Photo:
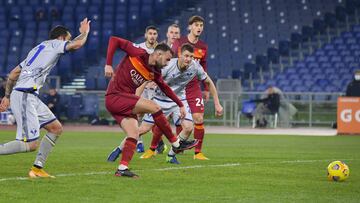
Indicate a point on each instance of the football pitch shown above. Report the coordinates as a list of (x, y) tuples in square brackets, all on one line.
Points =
[(243, 168)]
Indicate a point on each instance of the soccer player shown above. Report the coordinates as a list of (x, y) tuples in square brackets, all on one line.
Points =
[(193, 89), (177, 74), (134, 69), (173, 33), (22, 89), (151, 36)]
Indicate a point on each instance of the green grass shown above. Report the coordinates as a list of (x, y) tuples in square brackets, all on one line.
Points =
[(266, 169)]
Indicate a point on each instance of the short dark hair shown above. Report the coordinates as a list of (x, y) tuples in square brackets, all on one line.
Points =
[(151, 27), (174, 25), (194, 19), (163, 47), (58, 31), (187, 47)]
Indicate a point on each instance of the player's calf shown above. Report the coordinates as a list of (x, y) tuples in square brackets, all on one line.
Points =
[(17, 146)]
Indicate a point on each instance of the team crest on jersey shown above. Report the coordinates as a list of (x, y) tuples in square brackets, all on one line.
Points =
[(33, 131)]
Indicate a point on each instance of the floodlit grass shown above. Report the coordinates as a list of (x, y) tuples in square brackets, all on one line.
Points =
[(243, 168)]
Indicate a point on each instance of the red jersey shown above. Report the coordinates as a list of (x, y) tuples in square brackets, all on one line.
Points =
[(200, 54), (134, 70)]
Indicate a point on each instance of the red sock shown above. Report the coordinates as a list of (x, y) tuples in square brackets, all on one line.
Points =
[(178, 129), (157, 133), (128, 151), (163, 124), (199, 132)]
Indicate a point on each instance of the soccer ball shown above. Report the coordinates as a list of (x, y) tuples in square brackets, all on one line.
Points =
[(338, 171)]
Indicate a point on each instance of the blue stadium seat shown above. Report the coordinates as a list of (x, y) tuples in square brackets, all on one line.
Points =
[(90, 105)]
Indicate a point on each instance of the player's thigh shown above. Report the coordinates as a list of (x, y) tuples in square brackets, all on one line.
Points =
[(130, 127), (168, 107), (47, 119), (23, 106), (121, 103), (175, 112), (187, 126), (145, 106), (145, 127), (196, 104)]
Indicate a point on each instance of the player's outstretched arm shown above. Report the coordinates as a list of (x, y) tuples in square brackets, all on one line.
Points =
[(213, 92), (80, 40), (13, 77)]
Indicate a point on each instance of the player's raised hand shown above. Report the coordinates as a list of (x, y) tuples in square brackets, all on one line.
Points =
[(109, 71), (84, 26), (218, 110), (182, 112), (4, 105)]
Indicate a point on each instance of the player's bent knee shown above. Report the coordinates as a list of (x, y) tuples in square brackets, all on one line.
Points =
[(155, 108), (33, 145), (198, 119), (56, 129), (133, 135)]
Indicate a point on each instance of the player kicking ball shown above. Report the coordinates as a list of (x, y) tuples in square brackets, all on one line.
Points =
[(134, 69), (22, 89), (177, 74)]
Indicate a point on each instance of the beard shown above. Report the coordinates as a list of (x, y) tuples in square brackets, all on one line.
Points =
[(158, 65)]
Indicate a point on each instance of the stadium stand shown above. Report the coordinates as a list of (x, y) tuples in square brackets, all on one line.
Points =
[(24, 23), (296, 45)]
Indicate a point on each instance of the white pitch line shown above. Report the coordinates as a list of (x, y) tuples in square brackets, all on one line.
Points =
[(182, 167)]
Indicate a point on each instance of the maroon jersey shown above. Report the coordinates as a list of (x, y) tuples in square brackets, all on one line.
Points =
[(134, 70), (200, 54)]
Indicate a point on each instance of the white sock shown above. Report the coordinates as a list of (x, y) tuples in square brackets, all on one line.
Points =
[(171, 152), (139, 140), (176, 143), (122, 167)]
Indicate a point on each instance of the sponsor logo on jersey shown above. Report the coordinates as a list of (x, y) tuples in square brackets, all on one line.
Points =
[(136, 77)]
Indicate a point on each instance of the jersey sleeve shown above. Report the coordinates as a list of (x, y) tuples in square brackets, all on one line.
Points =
[(166, 89), (201, 74), (22, 64), (203, 63), (128, 47), (59, 46)]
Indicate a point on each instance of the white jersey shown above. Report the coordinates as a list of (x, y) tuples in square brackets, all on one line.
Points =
[(38, 64), (177, 80), (147, 49)]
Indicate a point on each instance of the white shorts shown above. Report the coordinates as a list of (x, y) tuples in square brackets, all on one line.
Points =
[(148, 93), (30, 114), (170, 108)]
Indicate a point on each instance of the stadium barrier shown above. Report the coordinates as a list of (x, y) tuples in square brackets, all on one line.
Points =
[(312, 109), (348, 118)]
